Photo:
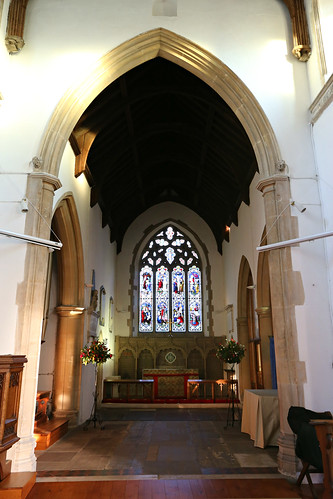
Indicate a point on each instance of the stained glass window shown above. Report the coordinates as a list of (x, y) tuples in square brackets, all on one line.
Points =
[(162, 299), (194, 299), (146, 299), (170, 298), (178, 299)]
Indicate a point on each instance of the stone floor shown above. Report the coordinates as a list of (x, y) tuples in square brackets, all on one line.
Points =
[(159, 442)]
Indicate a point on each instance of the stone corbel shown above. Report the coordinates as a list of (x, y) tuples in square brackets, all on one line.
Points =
[(301, 38), (15, 25)]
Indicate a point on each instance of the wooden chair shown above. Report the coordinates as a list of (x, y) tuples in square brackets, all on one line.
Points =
[(324, 431), (310, 449)]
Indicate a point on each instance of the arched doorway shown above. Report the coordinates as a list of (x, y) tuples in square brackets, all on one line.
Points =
[(274, 184), (250, 370), (255, 327), (69, 310), (265, 325)]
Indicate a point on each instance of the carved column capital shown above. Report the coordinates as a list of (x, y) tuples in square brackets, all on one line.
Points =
[(264, 311), (69, 311), (46, 178), (268, 184)]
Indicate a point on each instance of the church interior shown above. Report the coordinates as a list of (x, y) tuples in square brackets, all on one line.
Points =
[(165, 193)]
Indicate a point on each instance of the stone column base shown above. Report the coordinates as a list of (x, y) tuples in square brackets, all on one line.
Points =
[(23, 455), (287, 459), (71, 415)]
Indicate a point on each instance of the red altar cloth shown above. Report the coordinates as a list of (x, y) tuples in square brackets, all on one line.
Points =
[(170, 383)]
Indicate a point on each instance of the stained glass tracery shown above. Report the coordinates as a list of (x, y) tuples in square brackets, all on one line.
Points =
[(170, 290), (146, 299), (194, 299)]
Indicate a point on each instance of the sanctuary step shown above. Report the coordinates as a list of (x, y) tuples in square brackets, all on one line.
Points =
[(47, 433), (17, 485)]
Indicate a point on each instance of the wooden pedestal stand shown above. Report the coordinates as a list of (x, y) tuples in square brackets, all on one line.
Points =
[(11, 368), (15, 484), (94, 417)]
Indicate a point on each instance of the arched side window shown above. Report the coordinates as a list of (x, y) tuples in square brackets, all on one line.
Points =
[(170, 296)]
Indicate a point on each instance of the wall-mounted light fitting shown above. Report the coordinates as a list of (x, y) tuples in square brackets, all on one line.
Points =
[(32, 239), (298, 206), (24, 205), (292, 242)]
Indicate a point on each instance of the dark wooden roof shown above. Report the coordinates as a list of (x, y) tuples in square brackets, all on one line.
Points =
[(162, 134)]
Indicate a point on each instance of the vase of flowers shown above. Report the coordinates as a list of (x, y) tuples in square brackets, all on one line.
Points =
[(231, 352), (95, 353)]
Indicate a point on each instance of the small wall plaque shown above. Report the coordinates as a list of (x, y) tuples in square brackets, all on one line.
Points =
[(170, 357)]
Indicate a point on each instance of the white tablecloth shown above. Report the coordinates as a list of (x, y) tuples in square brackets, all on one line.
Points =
[(260, 417)]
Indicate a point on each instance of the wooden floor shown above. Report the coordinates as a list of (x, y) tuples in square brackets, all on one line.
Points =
[(171, 489)]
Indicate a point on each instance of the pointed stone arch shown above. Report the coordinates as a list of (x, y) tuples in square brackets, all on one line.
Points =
[(244, 277), (264, 313), (70, 310), (175, 48)]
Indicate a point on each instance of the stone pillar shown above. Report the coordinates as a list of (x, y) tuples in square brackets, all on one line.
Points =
[(67, 376), (30, 302), (285, 288), (11, 367)]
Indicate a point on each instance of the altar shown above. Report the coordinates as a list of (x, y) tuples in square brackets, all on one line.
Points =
[(261, 417), (170, 383)]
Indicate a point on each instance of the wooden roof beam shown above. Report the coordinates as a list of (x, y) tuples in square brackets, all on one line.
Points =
[(15, 26), (301, 38)]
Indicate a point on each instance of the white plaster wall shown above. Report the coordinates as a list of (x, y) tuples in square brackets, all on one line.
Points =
[(12, 190), (326, 21), (314, 259), (133, 236), (320, 67), (12, 256), (315, 318)]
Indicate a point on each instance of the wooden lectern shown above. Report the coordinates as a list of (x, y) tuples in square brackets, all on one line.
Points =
[(11, 368)]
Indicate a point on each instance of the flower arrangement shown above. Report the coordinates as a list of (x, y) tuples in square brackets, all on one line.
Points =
[(97, 352), (232, 352)]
